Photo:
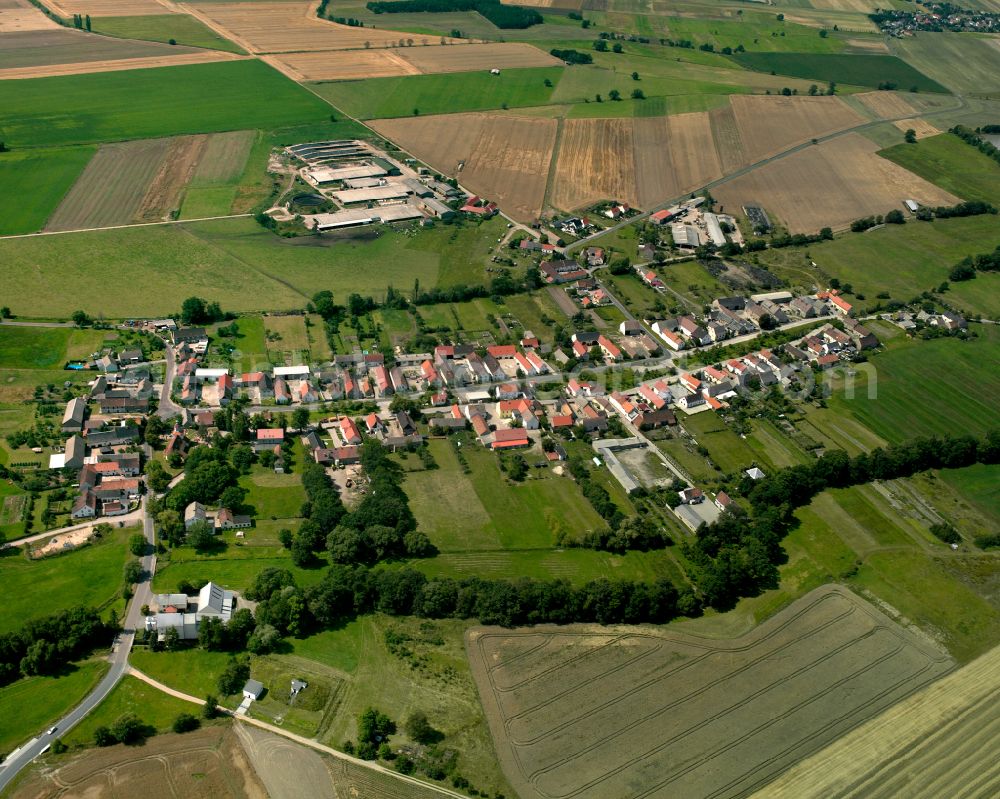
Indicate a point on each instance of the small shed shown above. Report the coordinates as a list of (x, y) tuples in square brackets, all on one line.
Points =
[(254, 689), (298, 685), (754, 473)]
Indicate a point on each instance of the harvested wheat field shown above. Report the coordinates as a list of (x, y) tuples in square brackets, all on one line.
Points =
[(471, 57), (629, 712), (830, 185), (206, 763), (109, 8), (117, 65), (595, 162), (644, 161), (22, 16), (293, 27), (568, 5), (769, 125), (921, 127), (506, 157), (728, 143), (886, 105), (343, 65), (938, 742)]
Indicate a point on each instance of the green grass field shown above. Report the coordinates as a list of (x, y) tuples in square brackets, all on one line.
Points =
[(44, 176), (30, 705), (182, 28), (918, 255), (980, 486), (233, 261), (153, 707), (481, 511), (273, 495), (88, 577), (378, 98), (950, 163), (964, 62), (928, 387), (45, 348), (756, 32), (857, 69), (167, 101), (192, 671)]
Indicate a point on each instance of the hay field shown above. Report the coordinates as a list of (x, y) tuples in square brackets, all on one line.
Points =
[(20, 15), (921, 127), (207, 762), (593, 712), (938, 742), (830, 185), (769, 125), (109, 8), (886, 105), (343, 65), (112, 186), (285, 27), (644, 161), (224, 159), (471, 57), (506, 157), (117, 65)]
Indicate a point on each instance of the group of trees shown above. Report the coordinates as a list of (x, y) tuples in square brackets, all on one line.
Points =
[(127, 729), (572, 56), (507, 17), (738, 555), (972, 137), (45, 646), (347, 591), (322, 510), (966, 268), (382, 526), (195, 311)]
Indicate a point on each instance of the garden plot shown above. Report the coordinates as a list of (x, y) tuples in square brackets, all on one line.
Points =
[(593, 712)]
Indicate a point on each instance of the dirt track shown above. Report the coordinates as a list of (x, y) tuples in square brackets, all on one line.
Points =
[(164, 192), (596, 712)]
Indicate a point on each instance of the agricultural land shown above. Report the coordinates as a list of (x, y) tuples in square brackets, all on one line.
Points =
[(430, 399)]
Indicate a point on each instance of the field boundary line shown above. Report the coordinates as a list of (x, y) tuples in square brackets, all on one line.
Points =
[(121, 227)]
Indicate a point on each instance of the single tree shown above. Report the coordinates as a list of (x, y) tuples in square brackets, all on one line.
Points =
[(910, 136), (185, 722), (211, 707)]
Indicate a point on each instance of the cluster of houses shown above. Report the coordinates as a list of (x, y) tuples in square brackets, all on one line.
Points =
[(631, 342), (908, 321), (108, 483), (222, 519), (185, 613), (827, 346)]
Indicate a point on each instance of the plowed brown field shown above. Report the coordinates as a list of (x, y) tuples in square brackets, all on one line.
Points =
[(206, 763), (506, 157), (66, 46), (728, 143), (591, 713), (830, 185), (886, 105), (939, 742), (768, 124), (164, 193)]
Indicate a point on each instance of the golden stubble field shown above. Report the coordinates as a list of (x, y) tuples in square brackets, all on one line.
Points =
[(941, 741), (503, 157), (830, 185), (656, 712)]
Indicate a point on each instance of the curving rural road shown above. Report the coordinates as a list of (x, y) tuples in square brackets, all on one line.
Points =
[(119, 667)]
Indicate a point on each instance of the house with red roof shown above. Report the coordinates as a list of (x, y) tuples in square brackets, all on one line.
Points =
[(349, 430), (511, 439), (609, 348)]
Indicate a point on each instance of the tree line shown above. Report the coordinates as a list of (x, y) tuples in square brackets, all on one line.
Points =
[(47, 645), (966, 268), (507, 17), (738, 555), (972, 137)]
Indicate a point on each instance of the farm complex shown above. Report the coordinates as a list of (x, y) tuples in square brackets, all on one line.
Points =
[(431, 399)]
